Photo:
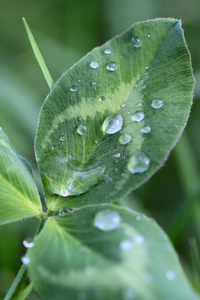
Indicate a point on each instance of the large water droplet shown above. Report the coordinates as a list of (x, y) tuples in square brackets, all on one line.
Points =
[(136, 42), (170, 275), (81, 129), (126, 245), (62, 138), (86, 177), (125, 138), (139, 239), (74, 88), (146, 129), (102, 98), (25, 259), (28, 243), (107, 220), (112, 66), (113, 124), (129, 293), (107, 51), (138, 116), (94, 64), (138, 163), (157, 103)]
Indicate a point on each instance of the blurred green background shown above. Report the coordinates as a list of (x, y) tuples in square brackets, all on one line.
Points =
[(65, 31)]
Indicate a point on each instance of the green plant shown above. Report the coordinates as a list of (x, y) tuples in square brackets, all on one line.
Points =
[(105, 128)]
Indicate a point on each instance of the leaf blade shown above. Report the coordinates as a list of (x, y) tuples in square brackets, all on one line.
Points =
[(161, 69), (88, 262), (18, 192)]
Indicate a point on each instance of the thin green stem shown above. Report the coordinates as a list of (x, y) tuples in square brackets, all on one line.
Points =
[(38, 56), (21, 277), (195, 259), (24, 294)]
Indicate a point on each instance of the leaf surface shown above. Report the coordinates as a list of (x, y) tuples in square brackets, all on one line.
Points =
[(19, 196), (124, 256), (112, 119)]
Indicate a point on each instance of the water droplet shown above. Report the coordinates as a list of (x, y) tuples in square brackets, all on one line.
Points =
[(28, 243), (74, 88), (102, 98), (147, 278), (82, 296), (157, 103), (94, 83), (146, 68), (146, 129), (140, 104), (79, 80), (62, 138), (25, 259), (129, 112), (129, 293), (122, 174), (125, 138), (94, 64), (113, 124), (82, 129), (170, 275), (138, 218), (124, 105), (107, 51), (107, 220), (80, 119), (139, 239), (148, 35), (136, 85), (117, 154), (136, 42), (116, 171), (138, 163), (112, 66), (96, 141), (126, 245), (138, 116)]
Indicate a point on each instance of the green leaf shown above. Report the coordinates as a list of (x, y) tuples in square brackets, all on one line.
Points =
[(79, 147), (19, 196), (130, 257)]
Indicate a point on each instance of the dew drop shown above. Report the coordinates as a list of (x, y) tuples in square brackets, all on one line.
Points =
[(117, 154), (113, 124), (79, 80), (136, 42), (135, 85), (148, 35), (112, 66), (102, 98), (140, 104), (138, 116), (139, 239), (94, 83), (170, 275), (80, 119), (25, 259), (126, 245), (138, 218), (125, 138), (107, 51), (129, 293), (107, 220), (147, 278), (124, 105), (157, 103), (122, 174), (96, 141), (81, 129), (74, 88), (146, 129), (62, 138), (94, 64), (28, 243), (138, 163), (146, 68)]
